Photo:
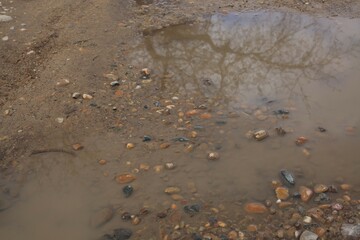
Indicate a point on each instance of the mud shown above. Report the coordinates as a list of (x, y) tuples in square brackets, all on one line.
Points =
[(218, 72)]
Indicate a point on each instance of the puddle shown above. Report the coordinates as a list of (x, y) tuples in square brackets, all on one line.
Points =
[(243, 67)]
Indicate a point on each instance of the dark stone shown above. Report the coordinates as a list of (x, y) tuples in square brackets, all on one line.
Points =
[(122, 234), (195, 208), (181, 139), (281, 112), (128, 190), (287, 177), (161, 215), (126, 216), (322, 198), (147, 138), (196, 236), (321, 129)]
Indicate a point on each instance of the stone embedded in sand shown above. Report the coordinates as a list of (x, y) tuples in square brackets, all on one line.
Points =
[(255, 208), (125, 178), (306, 193), (345, 187), (191, 113), (130, 145), (320, 188), (284, 204), (172, 190), (260, 135), (282, 193), (102, 161), (164, 145), (205, 116), (77, 146), (213, 156), (177, 197)]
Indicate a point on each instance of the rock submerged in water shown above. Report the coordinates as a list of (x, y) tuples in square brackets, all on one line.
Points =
[(306, 193), (255, 208), (287, 177), (119, 234)]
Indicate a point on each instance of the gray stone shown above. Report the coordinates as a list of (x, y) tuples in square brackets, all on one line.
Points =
[(350, 231), (307, 235), (5, 18)]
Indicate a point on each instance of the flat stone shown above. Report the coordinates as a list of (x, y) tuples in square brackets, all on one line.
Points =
[(5, 18), (172, 190), (125, 178), (282, 193), (122, 234), (307, 235), (351, 231), (255, 208), (320, 188)]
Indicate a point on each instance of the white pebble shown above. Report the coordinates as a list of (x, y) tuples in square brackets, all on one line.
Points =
[(5, 38)]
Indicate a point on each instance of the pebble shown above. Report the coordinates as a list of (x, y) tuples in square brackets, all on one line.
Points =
[(147, 138), (87, 96), (115, 83), (260, 135), (191, 113), (172, 190), (102, 162), (125, 178), (320, 188), (6, 38), (170, 166), (322, 198), (193, 134), (205, 116), (307, 219), (144, 166), (59, 120), (301, 140), (213, 156), (63, 83), (306, 193), (76, 95), (255, 208), (130, 145), (101, 217), (307, 235), (164, 145), (345, 187), (128, 190), (77, 146), (282, 193), (232, 235), (280, 131), (320, 231), (287, 177), (136, 220), (5, 18), (177, 197), (122, 234)]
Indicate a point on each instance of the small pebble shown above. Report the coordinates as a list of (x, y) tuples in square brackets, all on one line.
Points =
[(213, 156)]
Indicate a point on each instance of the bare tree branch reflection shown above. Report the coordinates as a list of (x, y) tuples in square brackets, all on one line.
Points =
[(248, 55)]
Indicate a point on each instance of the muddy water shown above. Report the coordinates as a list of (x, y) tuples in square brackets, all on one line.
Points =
[(242, 67)]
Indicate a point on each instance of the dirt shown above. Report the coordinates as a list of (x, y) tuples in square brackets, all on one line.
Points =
[(92, 43)]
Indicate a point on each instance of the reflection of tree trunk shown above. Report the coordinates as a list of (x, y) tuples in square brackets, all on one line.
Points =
[(283, 54)]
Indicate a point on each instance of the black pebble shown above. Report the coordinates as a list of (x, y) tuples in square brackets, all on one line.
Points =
[(128, 190), (321, 129), (122, 234)]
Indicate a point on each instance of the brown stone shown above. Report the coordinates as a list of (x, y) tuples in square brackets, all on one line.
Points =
[(193, 134), (205, 116), (172, 190), (320, 231), (282, 193), (164, 145), (191, 113), (77, 146), (125, 178), (255, 208), (345, 187), (252, 228), (136, 220), (320, 188), (177, 197), (301, 140), (130, 145), (144, 166), (285, 204), (232, 235), (102, 162), (306, 193)]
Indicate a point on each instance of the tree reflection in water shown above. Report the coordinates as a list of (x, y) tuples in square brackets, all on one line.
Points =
[(250, 55)]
